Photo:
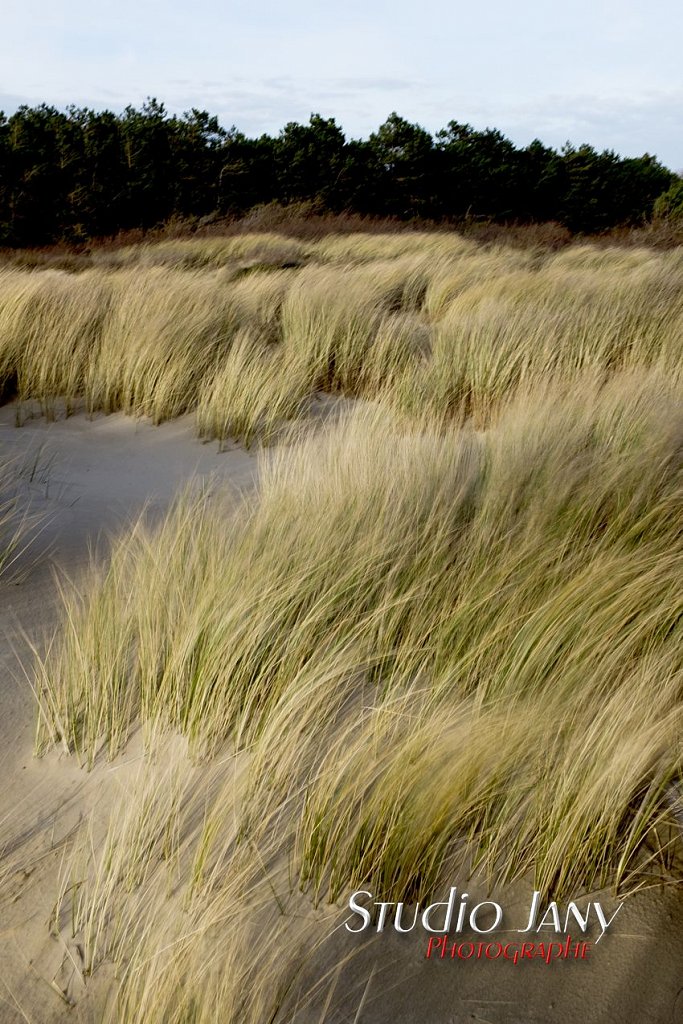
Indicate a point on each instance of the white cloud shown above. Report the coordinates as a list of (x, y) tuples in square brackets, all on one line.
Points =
[(608, 73)]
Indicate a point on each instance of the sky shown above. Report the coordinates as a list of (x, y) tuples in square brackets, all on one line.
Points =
[(606, 72)]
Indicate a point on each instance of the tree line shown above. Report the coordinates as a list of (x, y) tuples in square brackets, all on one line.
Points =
[(78, 174)]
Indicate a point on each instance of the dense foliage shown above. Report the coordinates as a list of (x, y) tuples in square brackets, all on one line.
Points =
[(669, 206), (76, 174)]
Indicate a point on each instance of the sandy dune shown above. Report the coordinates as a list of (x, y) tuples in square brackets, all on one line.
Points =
[(87, 478), (83, 480)]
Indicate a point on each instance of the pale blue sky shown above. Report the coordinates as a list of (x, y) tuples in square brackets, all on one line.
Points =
[(609, 72)]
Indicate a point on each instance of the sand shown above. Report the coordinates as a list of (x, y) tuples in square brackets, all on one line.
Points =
[(87, 479), (84, 479)]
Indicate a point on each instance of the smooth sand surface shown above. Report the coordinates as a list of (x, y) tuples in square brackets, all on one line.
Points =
[(87, 479)]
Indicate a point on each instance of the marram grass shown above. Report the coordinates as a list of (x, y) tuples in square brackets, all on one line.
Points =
[(422, 650), (16, 526), (497, 616), (445, 635), (438, 324)]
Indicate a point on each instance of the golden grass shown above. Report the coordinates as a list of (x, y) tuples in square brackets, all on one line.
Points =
[(445, 635), (421, 650), (245, 330), (469, 577), (202, 925)]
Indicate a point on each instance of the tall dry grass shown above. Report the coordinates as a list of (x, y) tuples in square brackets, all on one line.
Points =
[(421, 649), (201, 925), (445, 636), (473, 577), (246, 330)]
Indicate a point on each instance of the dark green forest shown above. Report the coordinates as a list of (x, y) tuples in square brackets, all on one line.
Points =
[(79, 174)]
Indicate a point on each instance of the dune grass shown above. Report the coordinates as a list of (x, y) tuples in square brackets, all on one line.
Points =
[(17, 524), (473, 577), (244, 331), (445, 636), (423, 650), (202, 926)]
